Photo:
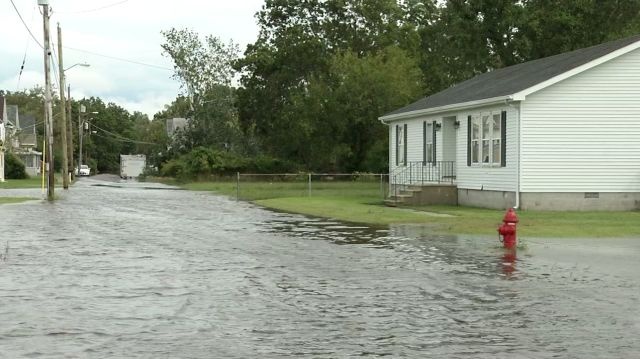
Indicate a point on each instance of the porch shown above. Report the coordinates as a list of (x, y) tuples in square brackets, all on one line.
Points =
[(423, 183)]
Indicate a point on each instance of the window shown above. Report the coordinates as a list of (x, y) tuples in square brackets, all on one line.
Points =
[(401, 145), (428, 142), (486, 139), (475, 139)]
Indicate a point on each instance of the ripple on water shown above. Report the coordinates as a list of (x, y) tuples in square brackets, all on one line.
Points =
[(152, 273)]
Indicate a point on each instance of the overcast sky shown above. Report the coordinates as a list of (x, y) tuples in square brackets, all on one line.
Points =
[(128, 29)]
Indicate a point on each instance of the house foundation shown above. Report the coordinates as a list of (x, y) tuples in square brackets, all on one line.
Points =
[(578, 201), (486, 199)]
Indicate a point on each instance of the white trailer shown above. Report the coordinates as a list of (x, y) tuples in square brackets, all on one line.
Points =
[(132, 166)]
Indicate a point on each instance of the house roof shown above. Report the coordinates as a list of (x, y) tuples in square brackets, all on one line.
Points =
[(513, 79), (12, 115)]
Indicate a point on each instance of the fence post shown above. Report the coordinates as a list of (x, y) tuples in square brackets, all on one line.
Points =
[(237, 186), (309, 194)]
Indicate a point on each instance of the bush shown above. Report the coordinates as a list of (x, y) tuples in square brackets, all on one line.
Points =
[(266, 164), (13, 167), (173, 168), (203, 162)]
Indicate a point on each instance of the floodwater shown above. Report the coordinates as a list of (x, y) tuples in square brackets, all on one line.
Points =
[(123, 271)]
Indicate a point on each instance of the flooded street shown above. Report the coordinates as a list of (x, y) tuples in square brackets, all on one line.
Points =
[(122, 271)]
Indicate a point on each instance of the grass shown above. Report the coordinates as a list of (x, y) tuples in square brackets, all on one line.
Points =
[(34, 182), (361, 202), (252, 191), (11, 200)]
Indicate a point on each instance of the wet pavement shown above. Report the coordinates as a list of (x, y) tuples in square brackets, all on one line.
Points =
[(134, 270)]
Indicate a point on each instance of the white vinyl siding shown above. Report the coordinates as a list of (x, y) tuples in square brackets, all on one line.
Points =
[(449, 139), (583, 134), (415, 140), (490, 177)]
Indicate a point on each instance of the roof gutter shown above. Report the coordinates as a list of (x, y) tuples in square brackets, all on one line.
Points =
[(434, 110)]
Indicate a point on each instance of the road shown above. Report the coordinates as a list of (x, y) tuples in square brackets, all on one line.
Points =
[(137, 270)]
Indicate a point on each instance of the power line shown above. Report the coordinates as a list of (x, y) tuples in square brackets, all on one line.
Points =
[(92, 10), (25, 25), (122, 138), (26, 48), (119, 58)]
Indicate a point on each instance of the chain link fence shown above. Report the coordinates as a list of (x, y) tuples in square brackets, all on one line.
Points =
[(252, 186)]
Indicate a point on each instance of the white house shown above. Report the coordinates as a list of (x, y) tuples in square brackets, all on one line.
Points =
[(558, 133)]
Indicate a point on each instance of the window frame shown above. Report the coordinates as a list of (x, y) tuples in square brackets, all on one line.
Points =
[(489, 125)]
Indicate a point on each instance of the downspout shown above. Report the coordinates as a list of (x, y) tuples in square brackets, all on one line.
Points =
[(509, 102)]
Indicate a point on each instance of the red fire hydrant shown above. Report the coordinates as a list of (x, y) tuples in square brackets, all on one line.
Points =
[(508, 229)]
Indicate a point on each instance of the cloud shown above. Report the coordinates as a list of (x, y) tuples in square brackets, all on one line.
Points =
[(130, 30)]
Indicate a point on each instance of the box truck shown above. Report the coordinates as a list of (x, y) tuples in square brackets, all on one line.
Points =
[(132, 166)]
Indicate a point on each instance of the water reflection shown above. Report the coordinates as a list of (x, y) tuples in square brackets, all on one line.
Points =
[(508, 262)]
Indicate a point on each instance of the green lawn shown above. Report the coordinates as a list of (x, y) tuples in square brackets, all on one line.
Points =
[(252, 191), (361, 202), (10, 200), (33, 182)]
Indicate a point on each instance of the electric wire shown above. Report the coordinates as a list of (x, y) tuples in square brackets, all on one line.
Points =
[(55, 65), (122, 138), (25, 25), (26, 49), (125, 141), (118, 58), (93, 10)]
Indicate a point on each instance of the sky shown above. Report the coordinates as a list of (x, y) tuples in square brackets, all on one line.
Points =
[(125, 29)]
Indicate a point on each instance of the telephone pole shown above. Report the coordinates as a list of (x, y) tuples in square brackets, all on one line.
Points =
[(48, 108), (80, 128), (70, 134), (63, 116)]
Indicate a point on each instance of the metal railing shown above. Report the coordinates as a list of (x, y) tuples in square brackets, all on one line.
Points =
[(419, 173)]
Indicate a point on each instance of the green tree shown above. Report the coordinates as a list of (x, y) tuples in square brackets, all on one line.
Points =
[(552, 27), (470, 37), (205, 72), (345, 134), (298, 43)]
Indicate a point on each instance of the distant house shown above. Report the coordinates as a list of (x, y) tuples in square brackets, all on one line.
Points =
[(22, 139), (27, 144), (558, 133), (174, 124), (3, 116)]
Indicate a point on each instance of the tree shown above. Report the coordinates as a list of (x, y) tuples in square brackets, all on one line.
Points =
[(470, 37), (205, 71), (298, 43), (553, 27), (344, 105)]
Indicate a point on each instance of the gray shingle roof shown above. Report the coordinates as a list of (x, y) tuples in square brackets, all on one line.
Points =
[(12, 114), (510, 80)]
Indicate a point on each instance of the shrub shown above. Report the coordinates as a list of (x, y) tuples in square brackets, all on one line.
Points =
[(266, 164), (13, 167), (173, 168)]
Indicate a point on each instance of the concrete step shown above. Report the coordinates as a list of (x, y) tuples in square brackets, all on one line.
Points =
[(391, 203)]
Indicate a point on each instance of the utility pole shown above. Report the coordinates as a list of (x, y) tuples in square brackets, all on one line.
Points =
[(80, 128), (47, 99), (70, 134), (63, 116)]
